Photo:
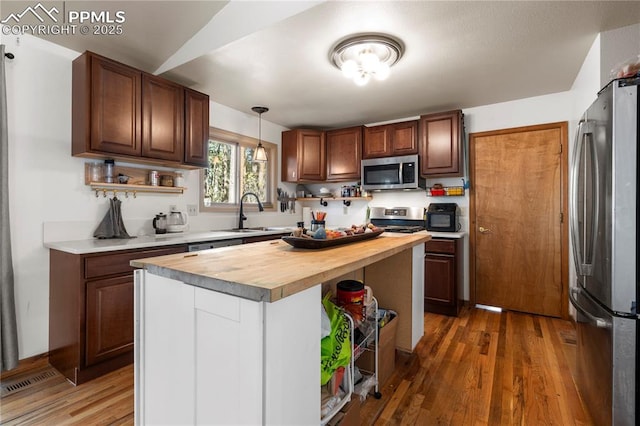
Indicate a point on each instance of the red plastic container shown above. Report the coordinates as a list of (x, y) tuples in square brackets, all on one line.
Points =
[(350, 296)]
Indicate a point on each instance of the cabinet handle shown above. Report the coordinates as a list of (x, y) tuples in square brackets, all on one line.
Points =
[(484, 230)]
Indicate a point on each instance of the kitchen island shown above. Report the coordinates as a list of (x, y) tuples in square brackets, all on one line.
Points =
[(232, 335)]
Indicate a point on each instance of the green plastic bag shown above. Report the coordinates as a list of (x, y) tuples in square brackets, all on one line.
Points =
[(335, 349)]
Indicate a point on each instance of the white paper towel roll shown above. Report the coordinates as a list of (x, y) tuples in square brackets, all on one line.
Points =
[(306, 216)]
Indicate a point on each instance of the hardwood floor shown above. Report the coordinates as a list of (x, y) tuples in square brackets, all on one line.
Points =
[(484, 368), (481, 368), (52, 400)]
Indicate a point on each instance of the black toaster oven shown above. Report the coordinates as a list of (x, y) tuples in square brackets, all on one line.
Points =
[(443, 217)]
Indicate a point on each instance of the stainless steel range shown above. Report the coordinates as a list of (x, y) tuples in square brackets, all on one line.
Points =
[(398, 219)]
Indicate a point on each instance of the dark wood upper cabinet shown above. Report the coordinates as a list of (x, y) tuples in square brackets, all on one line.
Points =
[(105, 107), (124, 113), (162, 119), (404, 138), (304, 156), (377, 142), (441, 144), (344, 152), (196, 138), (390, 140)]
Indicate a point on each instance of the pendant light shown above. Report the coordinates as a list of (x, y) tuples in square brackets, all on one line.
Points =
[(261, 153)]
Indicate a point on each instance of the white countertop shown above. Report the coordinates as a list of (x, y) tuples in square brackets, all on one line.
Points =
[(112, 244), (455, 235)]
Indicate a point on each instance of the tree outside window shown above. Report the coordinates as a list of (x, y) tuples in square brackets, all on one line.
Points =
[(232, 172)]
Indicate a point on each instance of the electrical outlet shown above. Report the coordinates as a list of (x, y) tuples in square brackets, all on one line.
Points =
[(192, 209)]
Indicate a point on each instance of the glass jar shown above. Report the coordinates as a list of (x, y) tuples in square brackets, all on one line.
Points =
[(95, 172), (178, 180), (108, 171)]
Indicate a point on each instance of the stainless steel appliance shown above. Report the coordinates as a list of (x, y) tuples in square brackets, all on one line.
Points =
[(398, 219), (443, 217), (603, 217), (391, 173)]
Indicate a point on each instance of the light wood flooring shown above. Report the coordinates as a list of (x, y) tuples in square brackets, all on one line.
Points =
[(482, 368)]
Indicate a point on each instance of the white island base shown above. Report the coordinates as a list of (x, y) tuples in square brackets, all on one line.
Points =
[(204, 357), (212, 348)]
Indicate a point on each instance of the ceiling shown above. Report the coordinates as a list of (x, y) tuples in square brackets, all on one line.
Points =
[(457, 54)]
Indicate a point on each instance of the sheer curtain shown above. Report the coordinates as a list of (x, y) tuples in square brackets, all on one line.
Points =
[(8, 328)]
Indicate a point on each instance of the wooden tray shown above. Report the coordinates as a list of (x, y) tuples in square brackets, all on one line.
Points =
[(311, 243)]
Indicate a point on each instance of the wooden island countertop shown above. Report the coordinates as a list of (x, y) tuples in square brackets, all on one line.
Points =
[(272, 270)]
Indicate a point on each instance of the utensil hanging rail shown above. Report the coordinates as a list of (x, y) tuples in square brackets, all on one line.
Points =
[(132, 189)]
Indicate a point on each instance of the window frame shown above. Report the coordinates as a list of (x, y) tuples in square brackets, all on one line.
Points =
[(247, 141)]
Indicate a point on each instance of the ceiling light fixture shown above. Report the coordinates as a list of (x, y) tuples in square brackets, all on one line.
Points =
[(364, 56), (261, 153)]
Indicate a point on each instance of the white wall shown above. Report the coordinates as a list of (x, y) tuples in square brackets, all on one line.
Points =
[(616, 47), (47, 192)]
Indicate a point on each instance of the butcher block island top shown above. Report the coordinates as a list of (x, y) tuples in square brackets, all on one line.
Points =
[(272, 270)]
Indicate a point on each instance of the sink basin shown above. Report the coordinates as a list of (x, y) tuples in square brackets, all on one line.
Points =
[(256, 229), (260, 229)]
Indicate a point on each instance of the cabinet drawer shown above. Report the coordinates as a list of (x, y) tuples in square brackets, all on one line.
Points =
[(111, 264), (440, 246)]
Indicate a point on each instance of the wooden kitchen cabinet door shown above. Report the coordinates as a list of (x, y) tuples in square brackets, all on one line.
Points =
[(114, 91), (390, 140), (162, 119), (196, 138), (441, 144), (404, 138), (439, 279), (377, 142), (344, 152), (109, 305), (443, 276), (304, 156)]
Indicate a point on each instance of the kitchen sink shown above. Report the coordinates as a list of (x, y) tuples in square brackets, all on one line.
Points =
[(260, 229)]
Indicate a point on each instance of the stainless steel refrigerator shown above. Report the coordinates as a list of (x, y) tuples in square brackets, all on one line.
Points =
[(603, 222)]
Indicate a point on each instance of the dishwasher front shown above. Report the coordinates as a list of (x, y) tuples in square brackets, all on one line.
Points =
[(214, 244)]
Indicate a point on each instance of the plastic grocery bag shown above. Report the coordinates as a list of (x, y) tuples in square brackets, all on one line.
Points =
[(335, 349)]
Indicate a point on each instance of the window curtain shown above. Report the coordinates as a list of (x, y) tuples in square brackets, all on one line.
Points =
[(8, 327)]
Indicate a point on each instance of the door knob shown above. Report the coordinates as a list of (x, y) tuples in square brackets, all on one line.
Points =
[(484, 230)]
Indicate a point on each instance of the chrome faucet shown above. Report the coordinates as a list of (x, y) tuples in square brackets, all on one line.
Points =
[(242, 217)]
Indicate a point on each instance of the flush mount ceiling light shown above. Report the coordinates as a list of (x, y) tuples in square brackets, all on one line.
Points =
[(365, 56), (261, 153)]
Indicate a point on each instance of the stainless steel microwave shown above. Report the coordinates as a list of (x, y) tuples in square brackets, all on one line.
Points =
[(391, 173)]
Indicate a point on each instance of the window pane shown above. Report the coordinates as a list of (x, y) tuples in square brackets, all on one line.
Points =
[(254, 177), (219, 178)]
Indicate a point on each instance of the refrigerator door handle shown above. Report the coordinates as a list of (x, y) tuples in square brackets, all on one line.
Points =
[(597, 321), (583, 256)]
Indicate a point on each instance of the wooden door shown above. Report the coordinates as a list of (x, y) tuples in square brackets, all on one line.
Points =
[(109, 318), (404, 138), (377, 142), (115, 107), (162, 119), (196, 122), (518, 236), (312, 156), (344, 151), (440, 143)]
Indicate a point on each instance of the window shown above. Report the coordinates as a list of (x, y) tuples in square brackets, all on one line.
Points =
[(232, 172)]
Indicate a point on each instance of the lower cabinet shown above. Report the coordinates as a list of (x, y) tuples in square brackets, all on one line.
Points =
[(109, 318), (443, 275), (91, 310)]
